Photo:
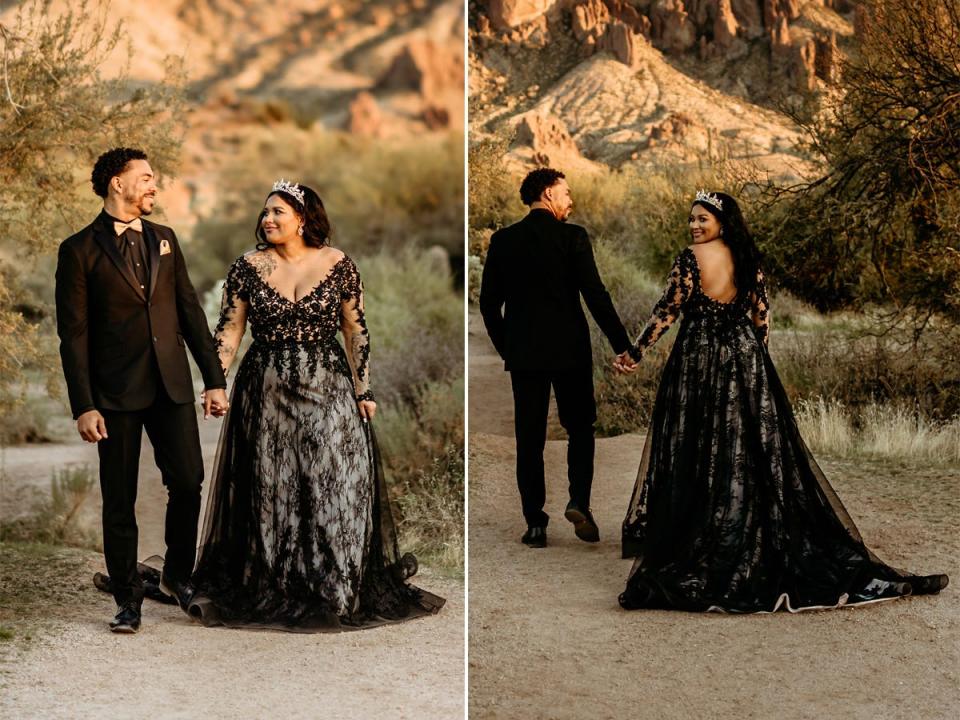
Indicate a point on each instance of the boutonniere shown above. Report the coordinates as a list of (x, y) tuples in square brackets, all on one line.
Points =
[(165, 247)]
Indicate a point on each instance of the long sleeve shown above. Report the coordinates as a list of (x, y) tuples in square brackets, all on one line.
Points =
[(71, 300), (596, 296), (492, 296), (668, 307), (233, 317), (356, 338), (193, 321), (761, 308)]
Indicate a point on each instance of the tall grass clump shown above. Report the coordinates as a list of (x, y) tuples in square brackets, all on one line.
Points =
[(884, 431), (58, 518)]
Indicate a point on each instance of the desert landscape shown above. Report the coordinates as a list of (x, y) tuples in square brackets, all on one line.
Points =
[(349, 97), (640, 103)]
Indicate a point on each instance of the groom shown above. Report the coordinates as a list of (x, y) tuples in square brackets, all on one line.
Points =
[(125, 311), (535, 273)]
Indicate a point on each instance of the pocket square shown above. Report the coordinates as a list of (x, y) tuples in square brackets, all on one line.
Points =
[(165, 247)]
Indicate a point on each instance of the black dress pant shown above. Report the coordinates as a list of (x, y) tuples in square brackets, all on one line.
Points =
[(578, 413), (172, 429)]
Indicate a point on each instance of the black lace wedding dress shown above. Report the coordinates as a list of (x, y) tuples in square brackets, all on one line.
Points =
[(730, 511), (298, 533)]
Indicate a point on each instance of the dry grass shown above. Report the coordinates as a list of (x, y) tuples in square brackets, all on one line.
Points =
[(893, 432)]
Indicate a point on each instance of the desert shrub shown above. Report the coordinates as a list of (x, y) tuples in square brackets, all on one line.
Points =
[(57, 518), (422, 448), (494, 194), (379, 195), (415, 320), (431, 508)]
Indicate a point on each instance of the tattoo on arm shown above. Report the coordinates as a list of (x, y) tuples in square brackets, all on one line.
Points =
[(264, 263)]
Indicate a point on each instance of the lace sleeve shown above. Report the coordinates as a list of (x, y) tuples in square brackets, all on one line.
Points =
[(233, 316), (761, 308), (667, 309), (353, 325)]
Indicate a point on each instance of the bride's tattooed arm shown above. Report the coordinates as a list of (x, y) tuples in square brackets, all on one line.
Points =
[(233, 316), (264, 263)]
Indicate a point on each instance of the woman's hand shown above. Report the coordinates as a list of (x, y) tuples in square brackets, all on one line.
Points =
[(368, 408), (623, 364)]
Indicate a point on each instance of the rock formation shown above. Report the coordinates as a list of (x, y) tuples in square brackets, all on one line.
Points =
[(508, 14), (364, 116), (547, 136)]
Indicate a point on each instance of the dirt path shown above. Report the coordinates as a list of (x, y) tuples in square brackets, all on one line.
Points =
[(548, 640), (176, 669)]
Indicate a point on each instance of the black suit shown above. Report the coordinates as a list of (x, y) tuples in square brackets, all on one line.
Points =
[(535, 274), (122, 346)]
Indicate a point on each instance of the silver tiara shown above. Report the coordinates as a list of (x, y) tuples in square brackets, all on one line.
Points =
[(704, 196), (289, 188)]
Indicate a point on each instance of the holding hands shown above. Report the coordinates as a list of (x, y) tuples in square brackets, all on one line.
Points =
[(215, 403), (368, 408), (623, 364)]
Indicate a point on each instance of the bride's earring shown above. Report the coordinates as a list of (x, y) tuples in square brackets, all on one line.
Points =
[(300, 231)]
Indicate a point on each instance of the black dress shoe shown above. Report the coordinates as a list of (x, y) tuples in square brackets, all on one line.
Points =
[(182, 590), (127, 619), (535, 537), (584, 526)]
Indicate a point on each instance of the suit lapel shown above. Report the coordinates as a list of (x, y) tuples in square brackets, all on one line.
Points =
[(153, 247), (106, 238)]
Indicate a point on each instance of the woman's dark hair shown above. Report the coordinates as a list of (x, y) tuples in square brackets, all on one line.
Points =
[(110, 164), (316, 224), (536, 182), (736, 234)]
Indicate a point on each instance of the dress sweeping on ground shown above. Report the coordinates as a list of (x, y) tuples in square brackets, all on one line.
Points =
[(298, 532), (730, 511)]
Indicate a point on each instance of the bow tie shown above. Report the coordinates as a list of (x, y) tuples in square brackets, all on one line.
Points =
[(135, 224)]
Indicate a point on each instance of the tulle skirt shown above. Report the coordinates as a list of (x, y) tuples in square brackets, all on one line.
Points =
[(298, 532), (730, 510)]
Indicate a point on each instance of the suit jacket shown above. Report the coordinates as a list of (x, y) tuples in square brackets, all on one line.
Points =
[(118, 340), (535, 273)]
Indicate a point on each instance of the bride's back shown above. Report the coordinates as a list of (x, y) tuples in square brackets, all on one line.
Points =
[(716, 267)]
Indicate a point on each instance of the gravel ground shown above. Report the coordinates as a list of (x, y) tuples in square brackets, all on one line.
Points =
[(64, 663), (547, 638)]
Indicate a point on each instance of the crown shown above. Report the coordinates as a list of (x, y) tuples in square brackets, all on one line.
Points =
[(711, 198), (289, 188)]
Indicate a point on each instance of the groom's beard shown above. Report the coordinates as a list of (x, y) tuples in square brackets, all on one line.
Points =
[(141, 204)]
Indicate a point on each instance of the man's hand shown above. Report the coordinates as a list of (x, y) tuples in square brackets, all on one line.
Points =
[(215, 403), (368, 408), (92, 427), (624, 364)]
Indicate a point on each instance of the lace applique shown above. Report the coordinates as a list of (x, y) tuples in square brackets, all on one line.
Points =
[(335, 304), (760, 311), (680, 284)]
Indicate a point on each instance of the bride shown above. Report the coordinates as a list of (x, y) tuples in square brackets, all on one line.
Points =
[(730, 510), (298, 532)]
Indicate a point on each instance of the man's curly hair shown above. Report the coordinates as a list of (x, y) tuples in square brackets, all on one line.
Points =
[(111, 164), (536, 182)]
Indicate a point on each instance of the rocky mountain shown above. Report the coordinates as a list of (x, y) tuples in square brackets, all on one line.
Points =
[(588, 82), (391, 70)]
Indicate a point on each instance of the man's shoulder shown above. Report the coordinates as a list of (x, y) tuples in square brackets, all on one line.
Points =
[(81, 238), (162, 230)]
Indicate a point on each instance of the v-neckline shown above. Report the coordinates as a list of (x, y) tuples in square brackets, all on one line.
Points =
[(302, 297)]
